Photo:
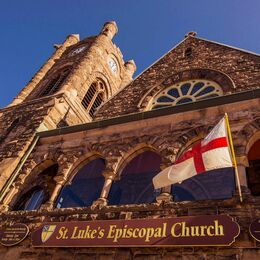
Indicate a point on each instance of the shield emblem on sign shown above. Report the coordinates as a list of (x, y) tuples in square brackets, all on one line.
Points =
[(47, 232)]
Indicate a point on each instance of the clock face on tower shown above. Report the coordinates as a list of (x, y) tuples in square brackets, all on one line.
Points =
[(112, 64), (77, 51)]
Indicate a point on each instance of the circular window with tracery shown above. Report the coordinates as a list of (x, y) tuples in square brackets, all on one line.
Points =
[(185, 92)]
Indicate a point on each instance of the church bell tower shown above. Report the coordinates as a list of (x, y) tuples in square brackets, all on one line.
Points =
[(67, 90)]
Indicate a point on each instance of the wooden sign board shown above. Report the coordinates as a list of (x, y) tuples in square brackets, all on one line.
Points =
[(211, 230)]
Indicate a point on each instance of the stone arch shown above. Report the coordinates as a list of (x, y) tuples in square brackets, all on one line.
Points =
[(255, 137), (135, 170), (86, 174), (94, 77), (219, 77), (80, 162), (101, 76), (31, 169), (24, 182), (53, 81), (95, 96), (251, 155), (188, 138), (63, 66), (131, 154), (245, 138)]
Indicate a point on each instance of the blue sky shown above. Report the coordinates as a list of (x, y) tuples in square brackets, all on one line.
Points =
[(147, 29)]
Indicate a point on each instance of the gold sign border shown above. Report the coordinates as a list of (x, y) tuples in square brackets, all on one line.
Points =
[(129, 246), (250, 230)]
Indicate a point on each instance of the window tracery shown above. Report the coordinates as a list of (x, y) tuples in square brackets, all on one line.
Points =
[(185, 92), (94, 97)]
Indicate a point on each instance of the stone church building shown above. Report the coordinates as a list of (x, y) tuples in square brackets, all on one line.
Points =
[(83, 140)]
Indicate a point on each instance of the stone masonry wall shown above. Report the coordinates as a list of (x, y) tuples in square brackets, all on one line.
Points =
[(36, 115), (245, 247), (88, 65), (239, 67), (117, 144)]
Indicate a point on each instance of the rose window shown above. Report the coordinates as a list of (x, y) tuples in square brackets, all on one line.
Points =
[(185, 92)]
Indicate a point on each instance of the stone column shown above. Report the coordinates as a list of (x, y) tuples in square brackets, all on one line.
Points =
[(16, 188), (102, 201), (165, 195), (60, 182)]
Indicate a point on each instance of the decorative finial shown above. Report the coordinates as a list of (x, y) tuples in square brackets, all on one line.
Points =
[(109, 29), (193, 34)]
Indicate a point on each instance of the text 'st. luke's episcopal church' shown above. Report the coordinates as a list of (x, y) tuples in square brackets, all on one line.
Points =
[(82, 141)]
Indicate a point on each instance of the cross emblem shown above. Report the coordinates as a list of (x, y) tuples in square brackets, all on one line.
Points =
[(198, 149)]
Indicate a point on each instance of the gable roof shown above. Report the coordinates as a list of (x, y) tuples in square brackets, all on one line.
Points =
[(209, 54)]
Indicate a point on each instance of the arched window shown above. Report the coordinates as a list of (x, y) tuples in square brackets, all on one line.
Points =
[(32, 199), (85, 187), (94, 97), (185, 92), (214, 184), (54, 84), (41, 191), (253, 171), (135, 184)]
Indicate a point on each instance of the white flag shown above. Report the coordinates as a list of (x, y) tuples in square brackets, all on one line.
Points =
[(209, 154)]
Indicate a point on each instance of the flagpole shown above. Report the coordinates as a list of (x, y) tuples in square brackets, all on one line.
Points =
[(233, 157)]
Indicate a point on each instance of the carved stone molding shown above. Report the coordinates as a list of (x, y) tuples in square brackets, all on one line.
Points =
[(99, 203), (164, 197), (246, 137)]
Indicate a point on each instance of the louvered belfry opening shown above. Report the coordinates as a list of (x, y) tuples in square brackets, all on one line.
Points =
[(89, 95), (54, 84), (94, 97)]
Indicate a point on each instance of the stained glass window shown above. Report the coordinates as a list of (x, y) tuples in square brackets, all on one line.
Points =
[(186, 92), (40, 192), (31, 200), (135, 184), (85, 187)]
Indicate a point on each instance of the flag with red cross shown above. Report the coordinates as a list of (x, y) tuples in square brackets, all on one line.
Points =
[(208, 154)]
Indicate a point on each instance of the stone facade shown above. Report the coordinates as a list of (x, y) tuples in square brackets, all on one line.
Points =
[(122, 128), (65, 105), (235, 70)]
